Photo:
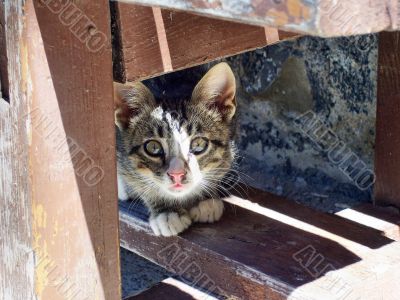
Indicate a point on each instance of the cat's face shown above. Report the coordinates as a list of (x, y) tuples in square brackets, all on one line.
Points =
[(178, 149)]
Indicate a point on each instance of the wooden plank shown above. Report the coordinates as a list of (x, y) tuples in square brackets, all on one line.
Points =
[(387, 145), (16, 255), (152, 42), (316, 17), (72, 156), (172, 289), (384, 219), (266, 247)]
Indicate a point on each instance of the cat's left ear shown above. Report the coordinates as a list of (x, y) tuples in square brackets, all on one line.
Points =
[(217, 89), (130, 101)]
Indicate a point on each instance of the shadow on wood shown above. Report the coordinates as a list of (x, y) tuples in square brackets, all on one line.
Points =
[(264, 248)]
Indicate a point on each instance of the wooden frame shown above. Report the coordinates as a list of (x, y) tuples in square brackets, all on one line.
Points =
[(59, 217), (17, 271), (387, 146), (149, 41), (316, 17), (59, 214)]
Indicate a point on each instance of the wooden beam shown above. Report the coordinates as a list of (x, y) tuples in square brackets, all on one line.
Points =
[(72, 150), (151, 42), (387, 145), (316, 17), (16, 251), (266, 247)]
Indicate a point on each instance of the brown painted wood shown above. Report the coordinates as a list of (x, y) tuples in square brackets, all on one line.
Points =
[(72, 155), (16, 255), (152, 42), (172, 289), (270, 248), (384, 219), (162, 291), (4, 85), (387, 145), (140, 55), (316, 17)]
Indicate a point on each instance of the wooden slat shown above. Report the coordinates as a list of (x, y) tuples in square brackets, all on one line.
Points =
[(152, 42), (384, 219), (72, 157), (172, 289), (16, 255), (317, 17), (272, 248), (387, 145)]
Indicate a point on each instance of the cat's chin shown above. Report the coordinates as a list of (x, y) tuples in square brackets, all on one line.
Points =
[(180, 191)]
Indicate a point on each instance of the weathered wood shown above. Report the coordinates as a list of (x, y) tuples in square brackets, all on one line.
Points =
[(72, 155), (271, 248), (387, 145), (316, 17), (172, 289), (4, 85), (16, 255), (152, 42), (384, 219)]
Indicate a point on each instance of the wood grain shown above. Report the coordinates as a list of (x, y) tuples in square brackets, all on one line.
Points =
[(266, 247), (16, 254), (72, 154), (387, 145), (316, 17), (150, 45), (172, 289)]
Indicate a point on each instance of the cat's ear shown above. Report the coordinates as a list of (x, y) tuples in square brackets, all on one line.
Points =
[(217, 89), (131, 100)]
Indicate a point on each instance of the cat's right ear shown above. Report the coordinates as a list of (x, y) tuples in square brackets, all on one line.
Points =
[(130, 101)]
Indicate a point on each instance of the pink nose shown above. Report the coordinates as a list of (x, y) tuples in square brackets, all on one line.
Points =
[(177, 176)]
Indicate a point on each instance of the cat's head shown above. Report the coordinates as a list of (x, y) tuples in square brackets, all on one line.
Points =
[(177, 149)]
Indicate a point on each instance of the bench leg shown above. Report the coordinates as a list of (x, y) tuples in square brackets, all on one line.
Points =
[(72, 152), (387, 147)]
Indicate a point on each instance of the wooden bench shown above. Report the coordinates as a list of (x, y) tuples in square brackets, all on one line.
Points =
[(267, 247), (58, 191)]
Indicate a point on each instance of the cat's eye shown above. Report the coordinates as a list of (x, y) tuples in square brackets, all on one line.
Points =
[(153, 148), (198, 145)]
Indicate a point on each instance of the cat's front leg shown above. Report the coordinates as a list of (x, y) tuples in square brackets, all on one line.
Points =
[(122, 193), (207, 211), (169, 223)]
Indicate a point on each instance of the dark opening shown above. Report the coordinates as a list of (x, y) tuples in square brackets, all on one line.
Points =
[(4, 84)]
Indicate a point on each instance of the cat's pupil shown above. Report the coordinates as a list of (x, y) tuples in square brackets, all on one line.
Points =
[(199, 145), (153, 148)]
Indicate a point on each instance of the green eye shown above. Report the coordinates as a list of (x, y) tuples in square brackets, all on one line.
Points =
[(198, 145), (153, 148)]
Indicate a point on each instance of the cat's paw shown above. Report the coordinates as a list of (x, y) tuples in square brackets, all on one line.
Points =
[(169, 223), (207, 211)]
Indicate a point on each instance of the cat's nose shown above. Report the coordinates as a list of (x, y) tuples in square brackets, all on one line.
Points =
[(177, 176), (176, 170)]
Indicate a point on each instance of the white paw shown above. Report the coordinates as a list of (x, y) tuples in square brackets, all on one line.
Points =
[(207, 211), (170, 223), (122, 194)]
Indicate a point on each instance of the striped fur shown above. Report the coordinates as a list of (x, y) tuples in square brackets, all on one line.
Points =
[(175, 123)]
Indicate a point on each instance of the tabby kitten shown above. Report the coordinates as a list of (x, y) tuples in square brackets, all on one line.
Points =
[(173, 153)]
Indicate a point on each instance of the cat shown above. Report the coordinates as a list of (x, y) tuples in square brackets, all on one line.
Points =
[(174, 153)]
